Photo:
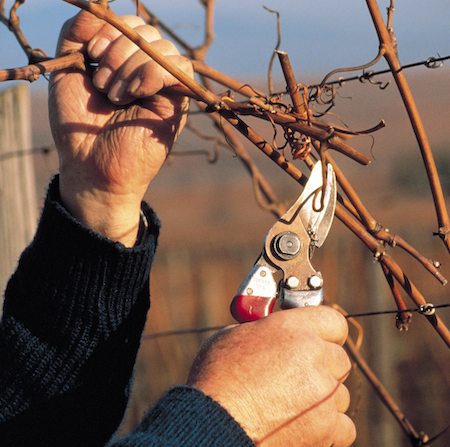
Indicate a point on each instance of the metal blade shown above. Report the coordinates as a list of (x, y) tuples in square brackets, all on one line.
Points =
[(317, 220), (304, 203)]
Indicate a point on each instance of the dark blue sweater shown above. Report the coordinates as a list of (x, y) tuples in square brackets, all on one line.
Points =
[(72, 321)]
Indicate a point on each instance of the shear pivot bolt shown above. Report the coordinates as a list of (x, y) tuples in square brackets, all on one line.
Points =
[(287, 245), (315, 282), (292, 282)]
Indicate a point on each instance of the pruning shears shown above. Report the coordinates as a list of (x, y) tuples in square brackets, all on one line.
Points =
[(288, 247)]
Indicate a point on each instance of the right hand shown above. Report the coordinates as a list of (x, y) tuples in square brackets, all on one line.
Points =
[(281, 378)]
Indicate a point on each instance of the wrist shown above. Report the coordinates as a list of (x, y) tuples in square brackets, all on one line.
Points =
[(112, 215)]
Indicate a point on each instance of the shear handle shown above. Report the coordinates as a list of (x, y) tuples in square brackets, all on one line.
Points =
[(246, 308), (256, 296)]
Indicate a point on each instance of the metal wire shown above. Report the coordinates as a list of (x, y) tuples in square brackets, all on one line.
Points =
[(431, 63), (425, 309)]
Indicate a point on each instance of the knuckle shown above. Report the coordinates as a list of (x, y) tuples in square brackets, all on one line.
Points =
[(150, 33), (133, 20)]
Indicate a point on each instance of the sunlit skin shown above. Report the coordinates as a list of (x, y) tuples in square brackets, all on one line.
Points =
[(280, 377), (112, 143)]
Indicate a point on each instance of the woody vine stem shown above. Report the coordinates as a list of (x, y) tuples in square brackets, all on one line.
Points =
[(303, 135)]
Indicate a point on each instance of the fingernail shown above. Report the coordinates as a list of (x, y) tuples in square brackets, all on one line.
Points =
[(101, 77), (134, 85), (99, 47), (118, 91)]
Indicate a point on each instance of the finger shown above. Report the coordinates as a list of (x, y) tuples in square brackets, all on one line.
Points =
[(333, 394), (77, 31), (345, 433), (99, 43), (327, 323), (85, 30), (341, 398), (133, 68), (337, 361), (117, 54), (152, 78), (324, 321)]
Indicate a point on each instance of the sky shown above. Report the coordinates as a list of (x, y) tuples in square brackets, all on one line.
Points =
[(318, 35)]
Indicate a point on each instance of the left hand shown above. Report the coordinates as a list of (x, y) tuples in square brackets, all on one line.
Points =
[(113, 130)]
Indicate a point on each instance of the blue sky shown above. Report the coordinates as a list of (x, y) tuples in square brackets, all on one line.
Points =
[(318, 35)]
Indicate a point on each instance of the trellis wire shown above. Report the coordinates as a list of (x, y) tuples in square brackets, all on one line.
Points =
[(422, 309)]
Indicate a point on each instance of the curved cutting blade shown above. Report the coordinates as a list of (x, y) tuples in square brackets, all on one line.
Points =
[(317, 214)]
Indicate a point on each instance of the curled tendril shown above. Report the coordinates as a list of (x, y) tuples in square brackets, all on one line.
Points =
[(300, 145), (275, 133), (276, 100), (433, 63), (248, 86), (322, 96), (327, 96), (211, 156), (272, 103), (368, 76)]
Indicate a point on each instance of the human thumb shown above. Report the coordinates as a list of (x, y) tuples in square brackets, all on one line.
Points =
[(77, 32)]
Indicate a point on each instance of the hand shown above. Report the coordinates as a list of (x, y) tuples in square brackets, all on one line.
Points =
[(281, 378), (113, 130)]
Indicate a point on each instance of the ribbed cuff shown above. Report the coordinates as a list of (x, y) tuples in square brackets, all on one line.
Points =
[(79, 274), (186, 417)]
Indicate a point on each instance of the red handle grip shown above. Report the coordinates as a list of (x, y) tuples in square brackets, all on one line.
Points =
[(245, 308)]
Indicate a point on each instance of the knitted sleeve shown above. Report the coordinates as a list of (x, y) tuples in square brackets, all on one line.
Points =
[(73, 315), (186, 417)]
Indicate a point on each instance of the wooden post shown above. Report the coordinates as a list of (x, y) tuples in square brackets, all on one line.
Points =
[(18, 203)]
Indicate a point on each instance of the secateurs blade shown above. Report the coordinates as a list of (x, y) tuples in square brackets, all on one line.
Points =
[(288, 247)]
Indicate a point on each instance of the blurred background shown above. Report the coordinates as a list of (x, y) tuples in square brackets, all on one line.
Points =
[(213, 229)]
